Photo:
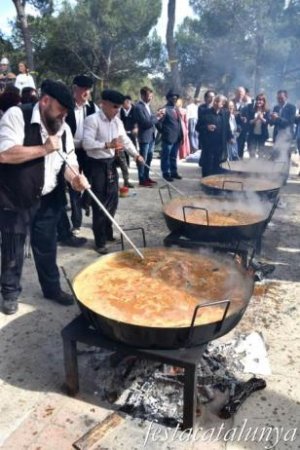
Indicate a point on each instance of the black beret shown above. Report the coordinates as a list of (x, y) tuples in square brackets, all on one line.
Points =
[(113, 96), (59, 91), (172, 93), (83, 81)]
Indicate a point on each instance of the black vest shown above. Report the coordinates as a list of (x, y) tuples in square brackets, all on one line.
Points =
[(71, 119), (21, 185)]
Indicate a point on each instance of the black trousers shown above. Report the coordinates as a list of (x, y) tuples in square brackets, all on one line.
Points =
[(104, 182), (241, 141), (64, 229), (210, 159), (41, 222), (76, 211)]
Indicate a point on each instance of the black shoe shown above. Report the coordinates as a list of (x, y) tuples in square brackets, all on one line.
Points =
[(129, 185), (114, 240), (63, 298), (177, 176), (102, 250), (10, 306), (73, 241), (168, 178)]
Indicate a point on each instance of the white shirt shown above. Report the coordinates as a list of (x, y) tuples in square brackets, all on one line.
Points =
[(126, 111), (24, 80), (192, 111), (147, 107), (98, 130), (257, 125), (232, 124), (80, 115), (12, 133)]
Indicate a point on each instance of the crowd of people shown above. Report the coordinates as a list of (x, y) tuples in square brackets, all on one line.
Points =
[(225, 127), (61, 141)]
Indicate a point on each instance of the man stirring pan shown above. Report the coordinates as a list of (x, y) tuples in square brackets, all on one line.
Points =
[(103, 135), (32, 174)]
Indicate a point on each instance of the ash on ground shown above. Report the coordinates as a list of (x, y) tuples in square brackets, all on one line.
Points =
[(154, 391)]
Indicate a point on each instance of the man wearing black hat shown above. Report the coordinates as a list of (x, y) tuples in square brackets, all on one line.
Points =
[(103, 136), (171, 134), (83, 107), (130, 125), (32, 174)]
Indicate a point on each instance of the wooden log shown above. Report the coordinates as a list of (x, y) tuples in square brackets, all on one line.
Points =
[(89, 439)]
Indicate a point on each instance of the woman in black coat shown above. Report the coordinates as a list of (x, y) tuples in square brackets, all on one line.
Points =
[(258, 119)]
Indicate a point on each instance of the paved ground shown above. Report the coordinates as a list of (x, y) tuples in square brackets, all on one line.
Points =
[(37, 415)]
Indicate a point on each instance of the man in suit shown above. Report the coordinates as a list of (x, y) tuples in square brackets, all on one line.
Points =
[(171, 135), (283, 117), (146, 122)]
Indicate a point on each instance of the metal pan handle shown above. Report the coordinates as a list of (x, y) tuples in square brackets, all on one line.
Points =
[(195, 207), (69, 283), (141, 229), (233, 182), (226, 303), (165, 186)]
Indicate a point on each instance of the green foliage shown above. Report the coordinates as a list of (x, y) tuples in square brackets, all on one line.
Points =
[(6, 47), (108, 38), (232, 42), (44, 6)]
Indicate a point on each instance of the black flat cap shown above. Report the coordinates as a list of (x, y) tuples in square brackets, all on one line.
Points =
[(172, 93), (83, 81), (113, 96), (59, 91)]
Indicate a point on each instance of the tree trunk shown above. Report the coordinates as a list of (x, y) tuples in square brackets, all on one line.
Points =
[(20, 7), (258, 63), (259, 42), (198, 87), (171, 46)]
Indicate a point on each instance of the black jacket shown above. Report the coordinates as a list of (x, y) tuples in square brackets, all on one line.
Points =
[(286, 118), (128, 120), (264, 126)]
